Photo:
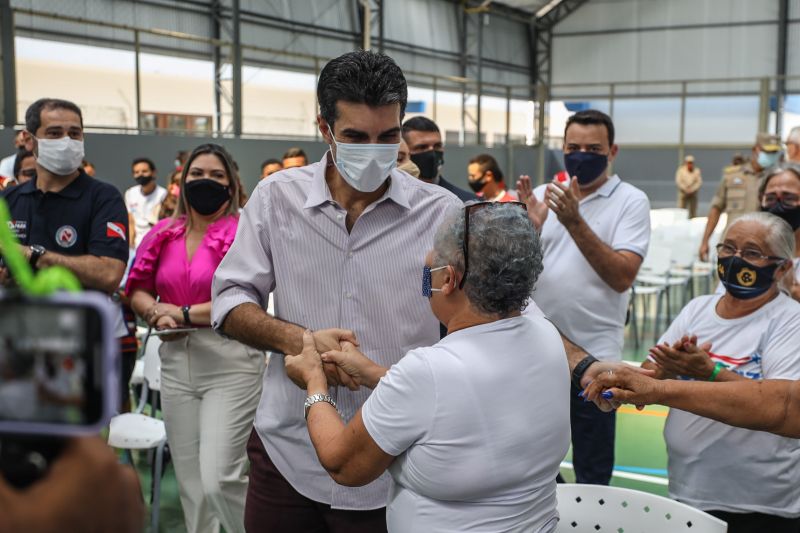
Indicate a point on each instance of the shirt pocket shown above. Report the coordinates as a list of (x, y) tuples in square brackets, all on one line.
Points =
[(735, 197)]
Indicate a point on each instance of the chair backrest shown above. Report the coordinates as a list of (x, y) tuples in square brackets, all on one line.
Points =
[(152, 363), (593, 508), (658, 259)]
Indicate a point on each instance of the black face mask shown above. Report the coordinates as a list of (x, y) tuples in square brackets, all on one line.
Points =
[(789, 214), (144, 180), (429, 163), (206, 196), (477, 185)]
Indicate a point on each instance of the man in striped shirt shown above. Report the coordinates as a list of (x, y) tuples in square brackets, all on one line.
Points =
[(340, 244)]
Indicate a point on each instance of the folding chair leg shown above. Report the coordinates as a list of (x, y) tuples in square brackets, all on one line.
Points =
[(156, 507), (657, 319), (634, 323)]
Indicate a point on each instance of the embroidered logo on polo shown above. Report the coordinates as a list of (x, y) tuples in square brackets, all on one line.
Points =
[(66, 236), (19, 228), (115, 230)]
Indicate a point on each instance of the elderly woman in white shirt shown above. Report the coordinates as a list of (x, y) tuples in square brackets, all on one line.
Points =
[(472, 429), (750, 331)]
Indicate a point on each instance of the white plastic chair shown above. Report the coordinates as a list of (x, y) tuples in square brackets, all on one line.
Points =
[(593, 508), (137, 431), (654, 279)]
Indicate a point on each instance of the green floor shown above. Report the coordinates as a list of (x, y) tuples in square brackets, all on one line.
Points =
[(640, 462)]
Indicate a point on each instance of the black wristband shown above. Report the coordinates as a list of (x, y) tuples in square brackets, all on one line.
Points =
[(187, 321), (580, 370)]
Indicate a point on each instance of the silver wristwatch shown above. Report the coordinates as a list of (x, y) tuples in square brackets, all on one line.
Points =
[(316, 398)]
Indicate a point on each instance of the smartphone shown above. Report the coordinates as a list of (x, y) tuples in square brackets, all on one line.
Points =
[(59, 364), (159, 332)]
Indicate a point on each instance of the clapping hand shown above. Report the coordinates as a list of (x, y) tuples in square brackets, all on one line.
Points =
[(564, 201), (537, 211), (684, 358)]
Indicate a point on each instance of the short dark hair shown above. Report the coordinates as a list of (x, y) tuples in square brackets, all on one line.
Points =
[(144, 160), (361, 77), (22, 154), (33, 116), (419, 124), (295, 151), (488, 163), (270, 161), (592, 116)]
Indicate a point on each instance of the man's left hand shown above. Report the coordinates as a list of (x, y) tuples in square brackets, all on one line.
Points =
[(684, 358), (564, 202)]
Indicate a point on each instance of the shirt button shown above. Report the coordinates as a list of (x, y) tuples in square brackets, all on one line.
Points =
[(349, 254), (339, 216), (348, 295)]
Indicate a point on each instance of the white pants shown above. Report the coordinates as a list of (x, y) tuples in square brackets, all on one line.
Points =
[(210, 388)]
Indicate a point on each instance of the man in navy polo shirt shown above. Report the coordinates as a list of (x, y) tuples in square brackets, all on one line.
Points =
[(64, 217)]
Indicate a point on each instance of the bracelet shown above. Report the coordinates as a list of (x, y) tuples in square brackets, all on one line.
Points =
[(187, 321), (316, 398), (719, 367), (580, 370)]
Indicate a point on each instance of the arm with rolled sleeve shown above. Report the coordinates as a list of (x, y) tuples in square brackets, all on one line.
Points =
[(243, 282), (103, 267)]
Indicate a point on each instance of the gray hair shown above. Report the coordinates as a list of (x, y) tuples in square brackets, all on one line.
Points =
[(505, 256), (780, 237), (792, 168), (794, 134)]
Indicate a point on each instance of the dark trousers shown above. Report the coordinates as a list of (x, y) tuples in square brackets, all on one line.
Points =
[(757, 522), (273, 506), (592, 440)]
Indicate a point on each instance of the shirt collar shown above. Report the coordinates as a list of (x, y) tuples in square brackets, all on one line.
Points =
[(320, 193), (73, 190), (607, 189)]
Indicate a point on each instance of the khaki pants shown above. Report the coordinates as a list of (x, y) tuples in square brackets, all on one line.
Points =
[(210, 389), (688, 201)]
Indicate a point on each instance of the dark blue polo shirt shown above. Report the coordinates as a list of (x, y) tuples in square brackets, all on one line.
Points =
[(87, 217)]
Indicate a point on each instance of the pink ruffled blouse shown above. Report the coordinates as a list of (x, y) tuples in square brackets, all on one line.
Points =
[(162, 267)]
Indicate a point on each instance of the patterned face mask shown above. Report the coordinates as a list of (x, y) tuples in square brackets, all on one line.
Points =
[(427, 289)]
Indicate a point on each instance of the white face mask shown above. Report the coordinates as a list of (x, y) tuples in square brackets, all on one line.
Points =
[(364, 166), (60, 156)]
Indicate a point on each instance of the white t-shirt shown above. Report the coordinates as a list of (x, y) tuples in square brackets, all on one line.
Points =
[(144, 209), (714, 466), (479, 423), (569, 291)]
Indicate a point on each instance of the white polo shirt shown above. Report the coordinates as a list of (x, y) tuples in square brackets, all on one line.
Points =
[(144, 208), (569, 291), (479, 424)]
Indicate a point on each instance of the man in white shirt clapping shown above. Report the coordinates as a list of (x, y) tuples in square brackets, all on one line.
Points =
[(595, 231)]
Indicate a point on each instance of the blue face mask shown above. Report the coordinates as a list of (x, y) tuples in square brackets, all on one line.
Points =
[(587, 166), (427, 289), (744, 280), (768, 159)]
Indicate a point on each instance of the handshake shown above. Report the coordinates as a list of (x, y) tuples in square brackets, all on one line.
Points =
[(332, 355)]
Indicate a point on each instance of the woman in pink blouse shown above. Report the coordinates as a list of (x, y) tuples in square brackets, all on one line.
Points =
[(210, 386)]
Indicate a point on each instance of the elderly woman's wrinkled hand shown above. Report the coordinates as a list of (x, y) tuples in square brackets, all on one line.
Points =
[(684, 358), (603, 368), (306, 367), (360, 368), (625, 385)]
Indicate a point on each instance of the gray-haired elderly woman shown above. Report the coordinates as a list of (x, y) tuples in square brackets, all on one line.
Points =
[(751, 331), (472, 429)]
